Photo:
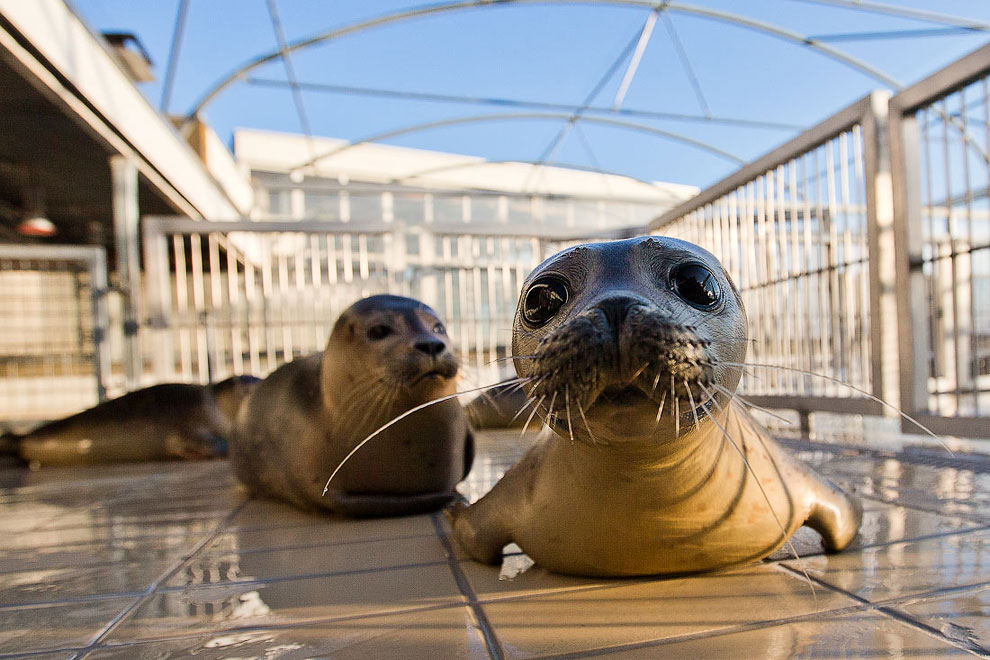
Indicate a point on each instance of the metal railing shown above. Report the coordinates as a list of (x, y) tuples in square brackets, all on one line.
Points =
[(54, 358), (792, 229), (940, 143), (862, 250), (245, 297)]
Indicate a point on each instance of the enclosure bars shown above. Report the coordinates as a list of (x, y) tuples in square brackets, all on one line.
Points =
[(92, 335), (794, 233), (791, 229), (940, 141), (246, 296)]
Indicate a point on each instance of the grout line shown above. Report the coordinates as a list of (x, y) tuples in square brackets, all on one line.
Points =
[(89, 598), (891, 613), (968, 517), (112, 625), (484, 625), (290, 578)]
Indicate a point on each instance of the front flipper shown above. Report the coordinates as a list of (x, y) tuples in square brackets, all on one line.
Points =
[(835, 514), (383, 506)]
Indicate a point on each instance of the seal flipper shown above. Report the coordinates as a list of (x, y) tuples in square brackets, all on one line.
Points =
[(835, 514)]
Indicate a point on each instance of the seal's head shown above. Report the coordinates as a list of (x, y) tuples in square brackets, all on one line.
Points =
[(621, 328), (390, 346)]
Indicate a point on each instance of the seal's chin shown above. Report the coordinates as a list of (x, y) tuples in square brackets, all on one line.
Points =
[(623, 397)]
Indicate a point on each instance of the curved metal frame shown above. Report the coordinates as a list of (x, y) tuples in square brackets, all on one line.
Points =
[(469, 119), (445, 7)]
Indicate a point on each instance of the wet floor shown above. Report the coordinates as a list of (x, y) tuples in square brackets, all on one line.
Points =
[(171, 560)]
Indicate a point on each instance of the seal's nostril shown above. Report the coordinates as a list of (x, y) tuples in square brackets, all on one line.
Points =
[(431, 347), (616, 309)]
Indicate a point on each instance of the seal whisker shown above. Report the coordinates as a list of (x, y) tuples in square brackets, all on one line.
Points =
[(521, 410), (853, 388), (663, 398), (530, 418), (735, 395), (783, 530), (694, 408), (567, 406), (397, 419), (677, 409), (586, 425)]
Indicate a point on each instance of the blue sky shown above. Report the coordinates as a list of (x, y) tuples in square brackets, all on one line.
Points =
[(549, 52)]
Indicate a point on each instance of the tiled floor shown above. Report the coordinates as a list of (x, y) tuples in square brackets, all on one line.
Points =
[(170, 560)]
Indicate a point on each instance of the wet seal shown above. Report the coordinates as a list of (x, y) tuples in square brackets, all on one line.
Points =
[(169, 421), (386, 355), (633, 350)]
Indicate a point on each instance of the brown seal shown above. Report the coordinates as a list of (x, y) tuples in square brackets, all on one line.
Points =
[(162, 422), (386, 354), (652, 465)]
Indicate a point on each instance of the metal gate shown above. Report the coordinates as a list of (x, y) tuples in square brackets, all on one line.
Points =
[(53, 331)]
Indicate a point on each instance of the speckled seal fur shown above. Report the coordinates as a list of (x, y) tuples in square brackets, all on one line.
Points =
[(622, 332)]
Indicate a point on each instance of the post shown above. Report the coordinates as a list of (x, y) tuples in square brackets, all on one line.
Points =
[(884, 335), (124, 186)]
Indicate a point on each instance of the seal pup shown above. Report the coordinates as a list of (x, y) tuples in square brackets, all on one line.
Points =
[(386, 355), (652, 466), (169, 421)]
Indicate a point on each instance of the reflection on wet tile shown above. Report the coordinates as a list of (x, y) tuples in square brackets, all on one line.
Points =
[(902, 569), (107, 533), (962, 617), (24, 629), (296, 528), (301, 600), (139, 550), (74, 582), (224, 562), (432, 635), (487, 583), (637, 611), (883, 523), (857, 635)]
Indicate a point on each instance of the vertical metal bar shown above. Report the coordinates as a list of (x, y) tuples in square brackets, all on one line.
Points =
[(124, 180), (217, 352), (950, 300), (182, 305), (199, 304), (961, 246), (236, 320), (159, 298), (101, 321)]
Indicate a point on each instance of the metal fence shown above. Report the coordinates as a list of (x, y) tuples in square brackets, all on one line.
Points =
[(53, 349), (244, 297), (862, 250), (940, 142)]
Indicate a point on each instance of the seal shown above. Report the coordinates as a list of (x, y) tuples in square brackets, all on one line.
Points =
[(385, 355), (169, 421), (652, 466)]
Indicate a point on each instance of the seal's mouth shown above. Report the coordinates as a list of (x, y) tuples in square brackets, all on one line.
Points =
[(622, 396), (438, 374)]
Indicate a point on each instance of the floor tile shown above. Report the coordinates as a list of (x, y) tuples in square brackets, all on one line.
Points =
[(38, 628), (288, 527), (113, 551), (225, 563), (902, 569), (964, 617), (851, 637), (226, 606), (84, 533), (57, 584), (432, 635), (637, 611)]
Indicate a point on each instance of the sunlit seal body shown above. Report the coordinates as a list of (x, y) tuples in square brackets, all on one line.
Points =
[(620, 329), (386, 354), (170, 421)]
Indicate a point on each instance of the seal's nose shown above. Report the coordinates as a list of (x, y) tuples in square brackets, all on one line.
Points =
[(432, 346), (616, 308)]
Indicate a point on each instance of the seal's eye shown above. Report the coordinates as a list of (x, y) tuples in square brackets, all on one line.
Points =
[(439, 329), (696, 285), (377, 332), (543, 300)]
